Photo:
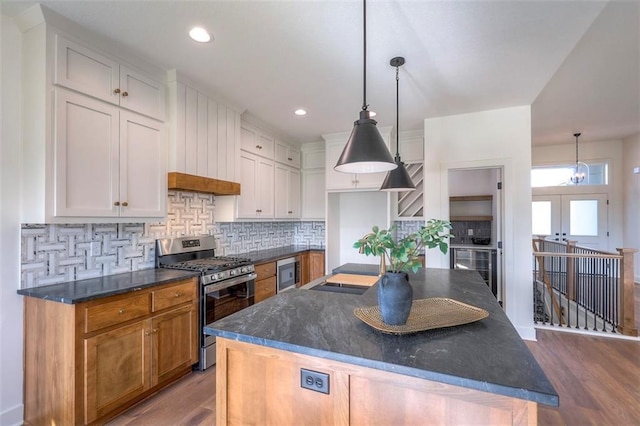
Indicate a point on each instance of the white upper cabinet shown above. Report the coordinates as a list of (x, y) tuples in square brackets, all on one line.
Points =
[(257, 194), (109, 162), (97, 75), (205, 134), (287, 192), (313, 181), (92, 156), (286, 154), (255, 141)]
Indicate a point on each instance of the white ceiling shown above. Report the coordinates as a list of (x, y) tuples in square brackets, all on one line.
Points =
[(576, 62)]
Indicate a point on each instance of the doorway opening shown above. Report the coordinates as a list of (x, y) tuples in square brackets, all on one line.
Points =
[(476, 213)]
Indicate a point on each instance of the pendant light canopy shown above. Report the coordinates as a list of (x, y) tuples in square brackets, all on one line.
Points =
[(581, 170), (397, 179), (365, 151)]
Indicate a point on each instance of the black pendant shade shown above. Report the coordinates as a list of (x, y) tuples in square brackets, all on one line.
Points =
[(365, 151), (397, 179)]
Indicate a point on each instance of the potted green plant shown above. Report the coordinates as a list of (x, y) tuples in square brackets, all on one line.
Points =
[(395, 294)]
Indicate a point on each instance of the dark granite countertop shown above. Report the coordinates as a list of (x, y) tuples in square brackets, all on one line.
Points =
[(357, 268), (95, 288), (268, 255), (487, 355)]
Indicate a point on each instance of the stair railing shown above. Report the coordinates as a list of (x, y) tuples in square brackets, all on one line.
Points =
[(584, 288)]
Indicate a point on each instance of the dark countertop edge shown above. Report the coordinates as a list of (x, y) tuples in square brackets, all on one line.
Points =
[(547, 399), (34, 291), (273, 254)]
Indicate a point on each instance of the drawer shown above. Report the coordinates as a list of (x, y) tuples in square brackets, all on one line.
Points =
[(116, 312), (266, 270), (265, 289), (174, 295)]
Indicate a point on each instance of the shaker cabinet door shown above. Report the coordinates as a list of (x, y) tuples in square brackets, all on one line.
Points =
[(86, 71), (116, 368), (86, 156), (143, 172)]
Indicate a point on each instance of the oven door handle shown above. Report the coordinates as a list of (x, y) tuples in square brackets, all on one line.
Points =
[(229, 283)]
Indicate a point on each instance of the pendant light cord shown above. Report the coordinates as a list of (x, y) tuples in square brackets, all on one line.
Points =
[(364, 62), (397, 112)]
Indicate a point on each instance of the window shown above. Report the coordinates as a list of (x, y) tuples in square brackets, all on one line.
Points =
[(560, 175)]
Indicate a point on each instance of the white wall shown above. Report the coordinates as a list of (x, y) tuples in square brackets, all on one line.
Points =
[(590, 151), (498, 138), (631, 238), (350, 215), (11, 384)]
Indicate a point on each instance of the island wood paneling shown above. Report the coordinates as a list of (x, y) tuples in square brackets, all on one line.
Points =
[(261, 385), (573, 363)]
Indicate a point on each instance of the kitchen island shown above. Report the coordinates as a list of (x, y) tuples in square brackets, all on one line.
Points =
[(480, 373)]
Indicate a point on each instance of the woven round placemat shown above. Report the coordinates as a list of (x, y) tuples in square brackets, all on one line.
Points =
[(426, 314)]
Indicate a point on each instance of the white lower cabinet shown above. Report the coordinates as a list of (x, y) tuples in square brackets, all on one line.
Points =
[(257, 190), (108, 162), (287, 191)]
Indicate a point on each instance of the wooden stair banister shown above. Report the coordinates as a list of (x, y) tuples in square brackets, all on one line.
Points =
[(547, 282), (627, 310)]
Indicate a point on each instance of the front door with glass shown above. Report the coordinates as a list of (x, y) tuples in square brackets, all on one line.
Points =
[(578, 217)]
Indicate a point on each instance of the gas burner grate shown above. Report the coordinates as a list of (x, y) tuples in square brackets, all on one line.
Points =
[(210, 264)]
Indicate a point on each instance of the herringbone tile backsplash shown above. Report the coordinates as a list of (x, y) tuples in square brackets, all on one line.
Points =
[(58, 253)]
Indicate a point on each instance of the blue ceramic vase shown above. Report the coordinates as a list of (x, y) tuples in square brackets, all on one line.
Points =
[(395, 296)]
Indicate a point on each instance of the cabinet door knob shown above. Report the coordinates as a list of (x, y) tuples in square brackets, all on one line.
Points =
[(116, 91), (117, 203), (155, 330), (125, 204), (178, 295), (121, 311), (125, 94), (147, 333)]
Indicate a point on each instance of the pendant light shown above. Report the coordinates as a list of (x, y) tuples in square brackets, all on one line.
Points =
[(581, 170), (365, 151), (397, 179)]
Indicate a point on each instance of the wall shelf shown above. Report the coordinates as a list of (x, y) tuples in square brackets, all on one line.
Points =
[(471, 198), (470, 218)]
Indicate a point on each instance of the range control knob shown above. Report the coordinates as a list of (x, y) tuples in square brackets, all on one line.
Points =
[(232, 272)]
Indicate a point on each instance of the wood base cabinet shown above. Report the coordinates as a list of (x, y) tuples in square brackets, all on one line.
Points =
[(87, 362), (265, 281), (261, 385)]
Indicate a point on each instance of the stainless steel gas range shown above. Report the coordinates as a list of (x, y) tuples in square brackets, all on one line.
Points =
[(227, 284)]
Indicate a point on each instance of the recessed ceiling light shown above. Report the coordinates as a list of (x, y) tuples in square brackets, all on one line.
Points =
[(300, 112), (200, 35)]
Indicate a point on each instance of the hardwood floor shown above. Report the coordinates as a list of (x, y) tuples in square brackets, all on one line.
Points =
[(189, 402), (597, 378)]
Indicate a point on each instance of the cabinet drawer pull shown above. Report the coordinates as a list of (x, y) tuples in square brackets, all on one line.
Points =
[(121, 311), (290, 159), (290, 212), (178, 295), (125, 204), (117, 203), (116, 91), (125, 94)]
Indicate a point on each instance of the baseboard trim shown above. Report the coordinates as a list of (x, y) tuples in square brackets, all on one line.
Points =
[(13, 416)]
